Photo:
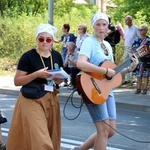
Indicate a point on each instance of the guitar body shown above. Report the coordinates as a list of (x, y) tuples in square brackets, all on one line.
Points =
[(94, 87), (97, 94)]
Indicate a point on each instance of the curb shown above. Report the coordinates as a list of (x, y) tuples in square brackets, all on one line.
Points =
[(63, 97)]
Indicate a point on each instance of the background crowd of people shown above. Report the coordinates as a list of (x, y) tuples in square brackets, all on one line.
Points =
[(71, 47), (130, 34)]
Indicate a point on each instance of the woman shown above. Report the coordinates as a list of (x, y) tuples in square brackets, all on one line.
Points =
[(93, 53), (82, 35), (66, 38), (142, 71), (36, 123)]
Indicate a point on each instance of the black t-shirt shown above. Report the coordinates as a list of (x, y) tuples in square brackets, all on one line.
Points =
[(30, 62)]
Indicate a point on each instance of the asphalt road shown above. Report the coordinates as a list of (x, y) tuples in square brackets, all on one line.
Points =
[(134, 125)]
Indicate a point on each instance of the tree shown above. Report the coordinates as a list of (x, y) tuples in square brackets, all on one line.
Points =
[(14, 8), (138, 9)]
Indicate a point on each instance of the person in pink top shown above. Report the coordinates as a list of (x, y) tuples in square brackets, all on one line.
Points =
[(82, 30)]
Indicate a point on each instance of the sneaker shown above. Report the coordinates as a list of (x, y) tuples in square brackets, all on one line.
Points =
[(75, 148), (138, 91), (144, 92), (2, 146), (134, 83)]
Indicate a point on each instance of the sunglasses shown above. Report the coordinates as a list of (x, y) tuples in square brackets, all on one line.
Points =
[(79, 29), (104, 48), (48, 40)]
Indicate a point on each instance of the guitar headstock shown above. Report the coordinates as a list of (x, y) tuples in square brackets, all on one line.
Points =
[(142, 51)]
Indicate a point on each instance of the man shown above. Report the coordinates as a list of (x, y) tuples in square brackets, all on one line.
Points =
[(70, 61), (130, 33)]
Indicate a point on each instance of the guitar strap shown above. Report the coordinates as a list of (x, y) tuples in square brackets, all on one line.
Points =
[(105, 48), (144, 41)]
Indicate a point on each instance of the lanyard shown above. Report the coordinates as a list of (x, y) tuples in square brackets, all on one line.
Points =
[(51, 59)]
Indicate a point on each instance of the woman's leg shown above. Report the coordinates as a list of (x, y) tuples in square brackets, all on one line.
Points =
[(139, 85), (145, 83), (98, 140), (139, 82), (105, 129)]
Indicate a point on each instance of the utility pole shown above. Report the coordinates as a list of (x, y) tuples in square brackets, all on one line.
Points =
[(50, 11), (100, 4)]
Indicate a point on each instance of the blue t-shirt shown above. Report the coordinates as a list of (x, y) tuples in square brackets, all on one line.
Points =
[(92, 49), (95, 54)]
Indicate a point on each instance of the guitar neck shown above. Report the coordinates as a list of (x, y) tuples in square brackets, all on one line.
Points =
[(125, 64)]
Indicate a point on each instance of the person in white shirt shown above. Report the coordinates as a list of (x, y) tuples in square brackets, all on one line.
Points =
[(130, 33), (82, 29)]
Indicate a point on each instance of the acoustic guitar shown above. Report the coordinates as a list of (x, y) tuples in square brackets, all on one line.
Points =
[(94, 87)]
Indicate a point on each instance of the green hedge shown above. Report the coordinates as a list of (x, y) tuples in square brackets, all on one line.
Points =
[(17, 35)]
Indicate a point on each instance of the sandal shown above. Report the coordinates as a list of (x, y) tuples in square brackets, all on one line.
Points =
[(144, 91), (2, 146), (138, 91)]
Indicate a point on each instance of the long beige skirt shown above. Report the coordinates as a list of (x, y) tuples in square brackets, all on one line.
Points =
[(36, 124)]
